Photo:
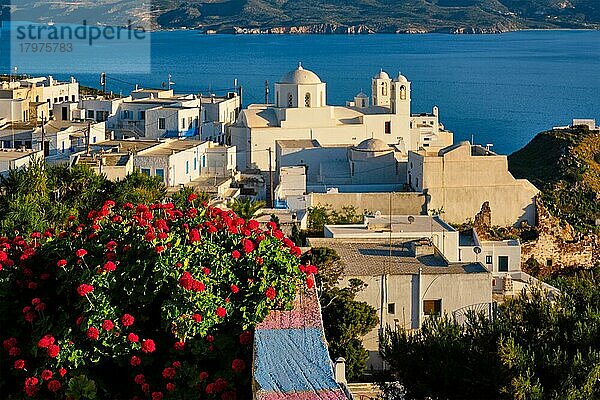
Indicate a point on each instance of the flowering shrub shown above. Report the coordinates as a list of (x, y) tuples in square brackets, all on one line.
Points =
[(141, 302)]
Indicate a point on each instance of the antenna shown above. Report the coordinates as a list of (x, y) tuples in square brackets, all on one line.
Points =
[(266, 92)]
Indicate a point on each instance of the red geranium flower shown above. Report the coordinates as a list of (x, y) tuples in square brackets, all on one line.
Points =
[(133, 338), (248, 246), (234, 289), (197, 317), (194, 236), (9, 343), (46, 374), (139, 379), (84, 289), (148, 346), (203, 375), (62, 372), (80, 253), (92, 333), (135, 361), (271, 293), (45, 341), (169, 373), (157, 396), (61, 263), (107, 325), (221, 312), (19, 364), (179, 346), (235, 254), (127, 319), (238, 365), (110, 266), (54, 385), (53, 350), (170, 386)]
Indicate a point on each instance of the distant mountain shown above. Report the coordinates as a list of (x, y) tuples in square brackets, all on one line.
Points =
[(324, 16)]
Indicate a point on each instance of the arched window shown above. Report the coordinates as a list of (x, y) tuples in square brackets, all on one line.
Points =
[(384, 89), (277, 100), (402, 92), (307, 100), (290, 100)]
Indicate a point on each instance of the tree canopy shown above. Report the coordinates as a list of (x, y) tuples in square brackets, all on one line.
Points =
[(535, 348)]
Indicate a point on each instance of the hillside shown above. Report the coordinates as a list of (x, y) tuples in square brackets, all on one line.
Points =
[(325, 16), (565, 165)]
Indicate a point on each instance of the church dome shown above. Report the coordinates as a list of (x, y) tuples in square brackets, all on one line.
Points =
[(300, 76), (362, 95), (381, 75), (373, 145), (400, 78)]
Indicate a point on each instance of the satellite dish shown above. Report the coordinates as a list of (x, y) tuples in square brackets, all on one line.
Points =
[(477, 249), (378, 213), (411, 219)]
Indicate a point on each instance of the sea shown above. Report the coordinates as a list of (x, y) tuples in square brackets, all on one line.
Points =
[(499, 89)]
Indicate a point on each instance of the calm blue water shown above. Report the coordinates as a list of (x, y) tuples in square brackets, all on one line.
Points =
[(502, 89)]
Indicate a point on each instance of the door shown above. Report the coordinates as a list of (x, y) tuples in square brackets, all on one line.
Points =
[(502, 263), (64, 113)]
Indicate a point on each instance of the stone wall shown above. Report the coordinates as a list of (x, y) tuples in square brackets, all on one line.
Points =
[(405, 203), (558, 245)]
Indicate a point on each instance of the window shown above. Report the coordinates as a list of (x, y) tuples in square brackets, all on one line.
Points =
[(402, 92), (187, 167), (127, 114), (388, 127), (432, 307), (307, 100), (94, 139), (195, 163), (161, 123), (90, 113), (488, 259), (549, 262), (203, 161), (290, 100), (182, 123), (6, 144), (384, 90), (73, 98), (146, 171), (62, 147), (391, 308), (502, 263), (142, 115), (160, 172)]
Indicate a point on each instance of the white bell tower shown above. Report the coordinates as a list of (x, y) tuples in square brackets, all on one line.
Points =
[(400, 98), (381, 89)]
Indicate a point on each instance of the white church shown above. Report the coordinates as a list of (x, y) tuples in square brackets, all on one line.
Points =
[(301, 112)]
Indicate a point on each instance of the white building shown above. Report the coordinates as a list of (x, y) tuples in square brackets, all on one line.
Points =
[(180, 162), (301, 112), (458, 179), (219, 114), (418, 266), (41, 90), (370, 166), (11, 159)]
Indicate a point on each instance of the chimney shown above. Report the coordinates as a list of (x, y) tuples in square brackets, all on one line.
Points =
[(340, 370)]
